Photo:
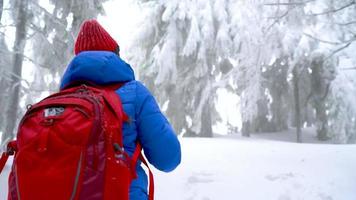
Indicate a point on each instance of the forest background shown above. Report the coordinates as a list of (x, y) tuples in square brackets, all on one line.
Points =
[(215, 66)]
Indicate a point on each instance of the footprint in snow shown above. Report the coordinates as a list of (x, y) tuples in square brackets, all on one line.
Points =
[(282, 177), (200, 177)]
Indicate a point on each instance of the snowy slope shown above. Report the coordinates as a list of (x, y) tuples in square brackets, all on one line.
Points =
[(225, 169), (257, 169)]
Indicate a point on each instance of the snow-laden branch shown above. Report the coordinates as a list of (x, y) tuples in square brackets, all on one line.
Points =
[(7, 25), (9, 75), (55, 19), (25, 57)]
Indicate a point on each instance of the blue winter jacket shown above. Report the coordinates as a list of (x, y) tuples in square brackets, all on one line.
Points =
[(147, 125)]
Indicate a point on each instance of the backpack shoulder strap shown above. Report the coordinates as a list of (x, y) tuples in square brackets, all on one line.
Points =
[(3, 160), (114, 100), (11, 150), (138, 155)]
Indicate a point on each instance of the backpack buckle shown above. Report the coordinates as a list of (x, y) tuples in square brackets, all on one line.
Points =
[(10, 151), (83, 89), (117, 148), (11, 148)]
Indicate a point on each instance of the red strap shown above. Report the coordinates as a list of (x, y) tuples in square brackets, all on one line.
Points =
[(151, 187), (11, 149), (114, 100), (3, 160), (138, 155)]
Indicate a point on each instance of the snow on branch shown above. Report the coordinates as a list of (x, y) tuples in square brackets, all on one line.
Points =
[(9, 75), (50, 15)]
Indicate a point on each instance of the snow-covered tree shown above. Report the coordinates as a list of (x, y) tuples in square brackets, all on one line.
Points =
[(263, 51), (54, 32), (5, 72), (310, 34), (21, 16), (183, 46), (342, 108), (47, 31)]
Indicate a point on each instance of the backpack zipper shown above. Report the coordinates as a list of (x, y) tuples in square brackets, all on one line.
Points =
[(77, 176), (17, 184)]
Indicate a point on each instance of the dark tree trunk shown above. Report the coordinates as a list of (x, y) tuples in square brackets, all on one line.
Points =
[(20, 42), (319, 85), (175, 112), (297, 105), (322, 130), (1, 8), (206, 125), (2, 81), (246, 129)]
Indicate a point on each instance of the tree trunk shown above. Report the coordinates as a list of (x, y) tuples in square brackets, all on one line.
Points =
[(2, 82), (322, 130), (319, 85), (297, 104), (1, 8), (175, 111), (19, 45), (246, 129), (206, 125)]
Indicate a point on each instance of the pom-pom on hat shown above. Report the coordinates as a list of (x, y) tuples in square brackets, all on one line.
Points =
[(93, 37)]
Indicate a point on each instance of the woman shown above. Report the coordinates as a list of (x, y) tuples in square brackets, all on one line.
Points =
[(97, 60)]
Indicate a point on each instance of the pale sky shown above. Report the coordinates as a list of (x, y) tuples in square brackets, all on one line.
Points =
[(121, 21)]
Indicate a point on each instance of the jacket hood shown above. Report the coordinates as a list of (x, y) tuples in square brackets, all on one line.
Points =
[(99, 67)]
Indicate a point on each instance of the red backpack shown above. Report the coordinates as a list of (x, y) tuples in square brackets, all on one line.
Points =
[(70, 147)]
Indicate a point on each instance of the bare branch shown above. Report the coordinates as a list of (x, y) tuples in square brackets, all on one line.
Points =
[(320, 40), (331, 42), (277, 20), (288, 4), (349, 68), (335, 10), (346, 23), (340, 49)]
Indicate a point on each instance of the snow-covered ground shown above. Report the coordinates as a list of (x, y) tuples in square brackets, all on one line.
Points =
[(258, 169), (234, 168)]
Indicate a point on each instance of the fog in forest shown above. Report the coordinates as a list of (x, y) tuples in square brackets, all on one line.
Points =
[(215, 66)]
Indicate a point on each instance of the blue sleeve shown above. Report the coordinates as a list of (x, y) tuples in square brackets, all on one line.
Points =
[(158, 140)]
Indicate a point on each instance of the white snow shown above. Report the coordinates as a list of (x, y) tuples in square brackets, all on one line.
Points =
[(214, 169), (257, 168)]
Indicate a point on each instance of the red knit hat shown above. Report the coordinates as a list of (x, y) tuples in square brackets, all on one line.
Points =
[(93, 37)]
